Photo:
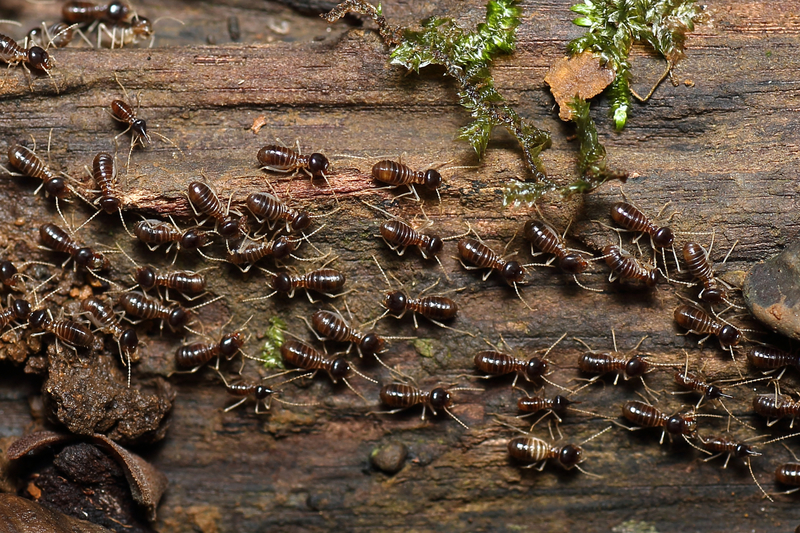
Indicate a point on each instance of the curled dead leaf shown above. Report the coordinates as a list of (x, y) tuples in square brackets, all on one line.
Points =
[(582, 76), (18, 515)]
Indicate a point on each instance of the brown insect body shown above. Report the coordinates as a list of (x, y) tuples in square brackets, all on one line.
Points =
[(626, 266), (157, 232), (398, 234), (198, 354), (605, 362), (123, 112), (268, 207), (695, 382), (788, 474), (277, 249), (769, 358), (399, 174), (534, 450), (13, 54), (283, 159), (496, 363), (61, 35), (79, 11), (303, 356), (140, 306), (104, 317), (776, 406), (697, 320), (181, 280), (18, 310), (105, 178), (645, 415), (545, 238), (57, 239), (324, 281), (700, 267), (534, 404), (333, 327), (69, 331), (482, 256), (28, 163), (432, 307), (630, 218)]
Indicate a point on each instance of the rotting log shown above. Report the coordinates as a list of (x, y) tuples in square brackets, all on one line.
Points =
[(721, 147)]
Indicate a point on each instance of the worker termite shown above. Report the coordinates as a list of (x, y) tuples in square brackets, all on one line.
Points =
[(776, 406), (139, 306), (333, 327), (645, 415), (401, 396), (71, 332), (770, 358), (182, 281), (19, 310), (154, 233), (203, 199), (103, 316), (196, 355), (625, 266), (59, 240), (29, 164), (79, 11), (496, 363), (249, 254), (700, 267), (277, 158), (13, 54), (536, 451), (398, 174), (324, 281), (543, 237), (632, 219), (303, 356), (265, 206), (57, 35), (696, 320)]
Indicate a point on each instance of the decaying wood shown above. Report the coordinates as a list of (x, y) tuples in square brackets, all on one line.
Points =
[(722, 147)]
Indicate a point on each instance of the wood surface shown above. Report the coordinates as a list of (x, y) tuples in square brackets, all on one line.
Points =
[(722, 147)]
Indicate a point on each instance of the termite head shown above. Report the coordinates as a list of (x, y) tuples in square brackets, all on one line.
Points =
[(536, 367), (681, 425), (433, 246), (513, 272), (109, 204), (231, 343), (560, 404), (129, 340), (39, 59), (714, 295), (652, 277), (56, 187), (715, 393), (117, 11), (395, 302), (139, 127), (282, 247), (729, 336), (317, 164), (440, 398), (86, 257), (37, 319), (573, 264), (230, 228), (635, 367), (192, 240), (570, 455), (142, 27), (146, 278), (21, 309), (282, 282), (432, 179), (301, 221), (339, 369), (370, 344), (262, 392), (177, 318), (8, 272), (743, 450), (663, 238)]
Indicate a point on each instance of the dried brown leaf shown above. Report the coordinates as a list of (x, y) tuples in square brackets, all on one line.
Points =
[(18, 515), (582, 76)]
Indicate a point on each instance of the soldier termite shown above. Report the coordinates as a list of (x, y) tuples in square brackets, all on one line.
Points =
[(556, 406), (645, 415), (203, 199), (324, 281), (719, 445), (261, 393), (282, 159), (303, 356), (401, 396), (543, 237), (13, 54), (536, 451), (103, 316), (496, 363), (69, 331)]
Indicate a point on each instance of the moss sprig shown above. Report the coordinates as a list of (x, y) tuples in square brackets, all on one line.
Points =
[(271, 351), (615, 25)]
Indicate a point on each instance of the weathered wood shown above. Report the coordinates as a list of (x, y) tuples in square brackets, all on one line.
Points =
[(723, 151)]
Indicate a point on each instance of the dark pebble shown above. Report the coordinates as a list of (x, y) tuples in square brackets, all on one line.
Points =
[(772, 292), (389, 458)]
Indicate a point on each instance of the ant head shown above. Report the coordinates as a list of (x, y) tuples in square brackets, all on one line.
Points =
[(536, 367), (395, 302), (440, 398), (301, 221), (339, 368), (177, 318), (743, 450), (317, 164), (729, 336), (117, 11), (37, 318), (513, 272), (229, 228), (434, 246), (192, 239), (714, 296), (663, 238), (560, 404), (282, 247), (681, 425), (432, 179), (146, 277), (7, 272), (370, 344), (282, 282), (139, 127), (570, 455), (109, 204), (39, 59), (129, 340), (635, 367), (573, 264), (263, 392), (21, 309), (56, 187), (231, 343)]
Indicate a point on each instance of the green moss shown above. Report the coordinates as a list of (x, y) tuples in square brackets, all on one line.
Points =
[(271, 352), (424, 347)]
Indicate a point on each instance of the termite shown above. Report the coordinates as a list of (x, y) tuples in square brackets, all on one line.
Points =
[(36, 57), (401, 396), (203, 199), (325, 281), (282, 159), (645, 415), (265, 206), (71, 332)]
